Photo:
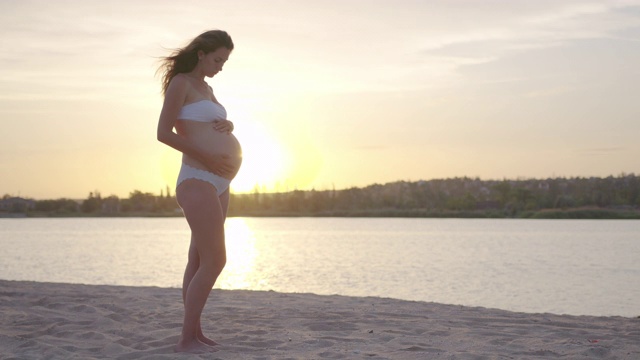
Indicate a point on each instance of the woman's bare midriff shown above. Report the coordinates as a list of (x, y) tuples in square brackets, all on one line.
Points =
[(212, 141)]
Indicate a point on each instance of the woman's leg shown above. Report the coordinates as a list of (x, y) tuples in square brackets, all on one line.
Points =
[(224, 203), (204, 213), (193, 263)]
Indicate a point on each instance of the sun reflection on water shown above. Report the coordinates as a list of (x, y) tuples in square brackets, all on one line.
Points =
[(239, 273)]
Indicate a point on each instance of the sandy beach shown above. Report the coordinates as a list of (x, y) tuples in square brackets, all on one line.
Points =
[(67, 321)]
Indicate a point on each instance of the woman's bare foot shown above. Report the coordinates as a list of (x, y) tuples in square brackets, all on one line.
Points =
[(207, 341), (194, 347), (204, 339)]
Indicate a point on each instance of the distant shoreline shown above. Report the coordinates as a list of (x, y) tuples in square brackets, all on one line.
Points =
[(589, 213), (559, 198)]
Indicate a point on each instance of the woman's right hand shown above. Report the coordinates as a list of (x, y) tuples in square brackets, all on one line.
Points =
[(221, 165)]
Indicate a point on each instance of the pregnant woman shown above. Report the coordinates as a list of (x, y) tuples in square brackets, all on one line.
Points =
[(211, 159)]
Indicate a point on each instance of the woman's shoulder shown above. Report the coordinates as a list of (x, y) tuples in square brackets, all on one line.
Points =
[(178, 88), (178, 83), (182, 80), (179, 79)]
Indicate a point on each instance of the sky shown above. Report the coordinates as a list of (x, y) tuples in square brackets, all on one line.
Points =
[(324, 94)]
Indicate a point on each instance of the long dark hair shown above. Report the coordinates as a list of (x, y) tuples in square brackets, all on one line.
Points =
[(185, 59)]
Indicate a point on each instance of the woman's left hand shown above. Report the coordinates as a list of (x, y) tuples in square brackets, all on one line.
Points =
[(223, 126)]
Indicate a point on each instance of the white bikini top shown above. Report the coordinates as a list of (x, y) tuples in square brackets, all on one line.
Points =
[(203, 111)]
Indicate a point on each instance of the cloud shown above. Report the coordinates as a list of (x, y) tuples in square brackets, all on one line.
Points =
[(558, 90), (603, 151), (414, 46), (528, 27)]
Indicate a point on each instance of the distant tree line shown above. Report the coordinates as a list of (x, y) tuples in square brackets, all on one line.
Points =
[(610, 197), (593, 197), (138, 203)]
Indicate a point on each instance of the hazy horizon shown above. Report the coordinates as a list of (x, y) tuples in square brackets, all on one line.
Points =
[(336, 93), (171, 191)]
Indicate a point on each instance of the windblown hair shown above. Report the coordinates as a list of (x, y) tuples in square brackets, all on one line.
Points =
[(185, 59)]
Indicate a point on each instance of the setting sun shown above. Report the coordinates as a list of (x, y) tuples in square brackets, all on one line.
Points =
[(264, 161)]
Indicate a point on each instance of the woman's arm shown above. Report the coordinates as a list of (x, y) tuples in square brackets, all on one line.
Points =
[(173, 101)]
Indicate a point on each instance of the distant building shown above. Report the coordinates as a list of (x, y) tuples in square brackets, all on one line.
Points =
[(16, 204)]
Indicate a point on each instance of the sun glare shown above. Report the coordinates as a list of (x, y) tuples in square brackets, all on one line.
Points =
[(264, 161), (169, 162)]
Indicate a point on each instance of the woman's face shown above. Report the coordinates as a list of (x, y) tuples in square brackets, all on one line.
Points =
[(213, 62)]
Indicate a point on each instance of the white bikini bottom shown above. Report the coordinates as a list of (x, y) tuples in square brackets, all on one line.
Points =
[(188, 172)]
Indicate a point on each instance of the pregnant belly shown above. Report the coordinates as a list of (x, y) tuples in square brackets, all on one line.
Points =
[(215, 143)]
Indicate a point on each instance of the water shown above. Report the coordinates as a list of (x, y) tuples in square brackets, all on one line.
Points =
[(560, 266)]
